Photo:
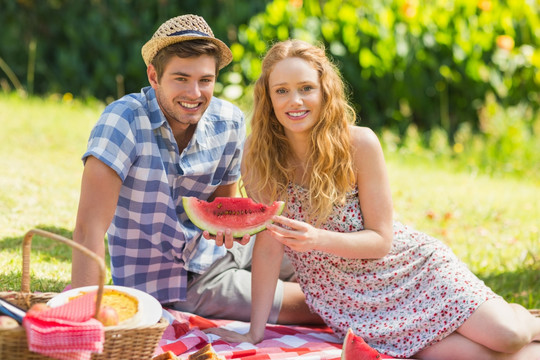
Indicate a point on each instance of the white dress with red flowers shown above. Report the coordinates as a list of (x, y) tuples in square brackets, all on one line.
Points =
[(416, 295)]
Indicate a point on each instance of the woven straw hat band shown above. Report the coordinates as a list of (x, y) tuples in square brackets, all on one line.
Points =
[(184, 23), (183, 28)]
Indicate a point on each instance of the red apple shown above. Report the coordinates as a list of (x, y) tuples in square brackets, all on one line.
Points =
[(37, 308), (108, 316)]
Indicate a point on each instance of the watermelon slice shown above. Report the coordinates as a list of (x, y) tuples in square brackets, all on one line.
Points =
[(355, 348), (241, 215)]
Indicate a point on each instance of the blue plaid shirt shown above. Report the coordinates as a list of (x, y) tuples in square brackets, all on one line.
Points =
[(152, 243)]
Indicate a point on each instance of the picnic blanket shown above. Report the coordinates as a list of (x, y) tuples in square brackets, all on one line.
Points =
[(185, 335)]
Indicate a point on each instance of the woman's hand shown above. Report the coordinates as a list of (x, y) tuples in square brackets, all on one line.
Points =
[(298, 235), (232, 336), (225, 238)]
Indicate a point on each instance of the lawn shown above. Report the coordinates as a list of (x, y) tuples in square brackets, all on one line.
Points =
[(491, 223)]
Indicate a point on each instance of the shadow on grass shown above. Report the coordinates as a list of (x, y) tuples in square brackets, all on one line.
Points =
[(49, 255), (47, 248), (519, 286), (38, 283)]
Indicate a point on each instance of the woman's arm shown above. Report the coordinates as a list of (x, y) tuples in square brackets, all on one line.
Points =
[(267, 256), (266, 262)]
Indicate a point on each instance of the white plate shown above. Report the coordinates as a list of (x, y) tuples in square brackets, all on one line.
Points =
[(149, 312)]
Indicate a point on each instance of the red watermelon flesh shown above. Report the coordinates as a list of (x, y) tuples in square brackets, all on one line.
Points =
[(355, 348), (241, 215)]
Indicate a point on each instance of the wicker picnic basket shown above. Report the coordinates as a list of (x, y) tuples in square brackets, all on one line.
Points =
[(120, 342)]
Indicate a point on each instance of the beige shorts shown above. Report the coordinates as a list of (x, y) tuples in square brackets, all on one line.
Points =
[(224, 291)]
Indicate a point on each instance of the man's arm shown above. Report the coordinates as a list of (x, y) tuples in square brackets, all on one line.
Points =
[(230, 190), (100, 188)]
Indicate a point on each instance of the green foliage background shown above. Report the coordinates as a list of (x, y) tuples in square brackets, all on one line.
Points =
[(460, 77), (92, 48), (430, 63)]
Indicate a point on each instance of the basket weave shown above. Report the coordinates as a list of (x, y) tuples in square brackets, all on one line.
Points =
[(120, 342)]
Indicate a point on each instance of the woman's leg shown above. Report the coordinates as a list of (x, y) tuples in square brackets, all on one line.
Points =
[(524, 313), (496, 330), (458, 347), (501, 327)]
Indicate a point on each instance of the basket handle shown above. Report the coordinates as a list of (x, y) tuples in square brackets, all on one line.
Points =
[(27, 245)]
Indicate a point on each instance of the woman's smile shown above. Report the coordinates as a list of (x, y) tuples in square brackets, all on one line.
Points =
[(296, 94), (297, 115)]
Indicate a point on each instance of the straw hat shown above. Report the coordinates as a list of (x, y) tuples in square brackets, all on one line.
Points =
[(183, 28)]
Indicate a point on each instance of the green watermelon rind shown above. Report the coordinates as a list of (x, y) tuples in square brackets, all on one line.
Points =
[(346, 341), (189, 208), (355, 348)]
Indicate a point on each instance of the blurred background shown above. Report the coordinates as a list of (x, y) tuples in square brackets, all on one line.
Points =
[(434, 73)]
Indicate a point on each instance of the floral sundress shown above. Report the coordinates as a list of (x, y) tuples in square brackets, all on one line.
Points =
[(413, 297)]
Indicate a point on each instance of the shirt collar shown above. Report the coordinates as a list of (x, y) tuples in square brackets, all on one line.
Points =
[(155, 114)]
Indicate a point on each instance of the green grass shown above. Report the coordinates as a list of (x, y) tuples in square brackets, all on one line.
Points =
[(490, 223), (41, 143)]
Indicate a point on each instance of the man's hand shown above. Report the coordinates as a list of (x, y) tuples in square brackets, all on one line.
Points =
[(225, 238)]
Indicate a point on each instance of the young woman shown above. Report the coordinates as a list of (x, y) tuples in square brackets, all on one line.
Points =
[(403, 291)]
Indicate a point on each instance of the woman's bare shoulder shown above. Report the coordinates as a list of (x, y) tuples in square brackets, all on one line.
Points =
[(364, 138)]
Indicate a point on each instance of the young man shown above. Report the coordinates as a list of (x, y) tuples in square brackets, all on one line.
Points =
[(149, 149)]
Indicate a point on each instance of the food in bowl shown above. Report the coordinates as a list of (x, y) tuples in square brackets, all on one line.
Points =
[(125, 305)]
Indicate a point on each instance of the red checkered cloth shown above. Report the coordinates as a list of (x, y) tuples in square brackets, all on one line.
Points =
[(67, 332), (184, 336)]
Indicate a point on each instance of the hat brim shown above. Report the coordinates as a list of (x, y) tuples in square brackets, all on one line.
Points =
[(153, 46)]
